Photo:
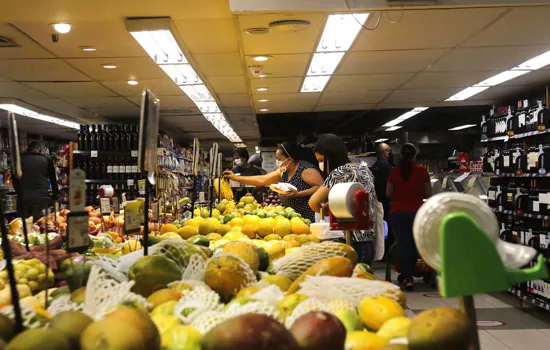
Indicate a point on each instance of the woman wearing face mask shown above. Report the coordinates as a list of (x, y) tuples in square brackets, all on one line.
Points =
[(332, 154), (293, 170), (240, 159)]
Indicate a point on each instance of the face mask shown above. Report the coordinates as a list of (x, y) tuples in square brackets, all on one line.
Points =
[(238, 162), (280, 164), (322, 166)]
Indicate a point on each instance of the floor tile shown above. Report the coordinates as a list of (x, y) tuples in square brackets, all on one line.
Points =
[(488, 342), (526, 339)]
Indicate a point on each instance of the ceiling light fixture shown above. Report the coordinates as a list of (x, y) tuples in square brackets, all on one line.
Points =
[(109, 66), (381, 140), (526, 67), (262, 89), (462, 127), (156, 37), (240, 145), (62, 28), (264, 75), (405, 116), (393, 128), (263, 100), (264, 110), (35, 115), (261, 58), (338, 36), (88, 48), (132, 82)]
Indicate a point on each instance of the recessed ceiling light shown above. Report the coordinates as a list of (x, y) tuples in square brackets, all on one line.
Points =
[(88, 48), (381, 140), (262, 89), (263, 100), (261, 58), (132, 82), (264, 110), (265, 75), (257, 31), (109, 66), (62, 28)]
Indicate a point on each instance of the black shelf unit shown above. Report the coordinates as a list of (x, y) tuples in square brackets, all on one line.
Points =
[(106, 153), (530, 298)]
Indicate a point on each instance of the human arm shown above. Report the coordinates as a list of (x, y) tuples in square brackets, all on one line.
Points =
[(258, 180), (427, 184), (311, 177), (318, 198)]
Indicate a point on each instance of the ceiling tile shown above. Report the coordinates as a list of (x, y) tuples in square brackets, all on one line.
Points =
[(424, 29), (219, 65), (277, 42), (228, 85), (388, 61), (281, 101), (394, 105), (500, 92), (65, 110), (72, 89), (100, 102), (158, 86), (277, 85), (234, 100), (434, 95), (204, 36), (367, 82), (19, 91), (429, 80), (346, 107), (238, 110), (288, 109), (352, 97), (466, 103), (26, 49), (119, 111), (282, 65), (135, 68), (521, 26), (178, 119), (537, 78), (169, 102), (40, 70), (487, 58)]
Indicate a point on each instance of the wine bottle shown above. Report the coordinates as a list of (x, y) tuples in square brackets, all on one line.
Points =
[(116, 169), (86, 137), (110, 169), (135, 137), (110, 140), (82, 137), (116, 138), (128, 137), (128, 169), (93, 139), (122, 133)]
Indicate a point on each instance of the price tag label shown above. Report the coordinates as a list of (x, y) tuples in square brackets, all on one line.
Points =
[(77, 231), (132, 217), (130, 182), (141, 187), (116, 205), (77, 190), (201, 197), (155, 210), (93, 154), (105, 207), (134, 153)]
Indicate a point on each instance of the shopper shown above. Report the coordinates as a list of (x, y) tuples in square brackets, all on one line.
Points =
[(291, 169), (243, 168), (332, 155), (381, 171), (408, 185), (256, 161), (32, 189)]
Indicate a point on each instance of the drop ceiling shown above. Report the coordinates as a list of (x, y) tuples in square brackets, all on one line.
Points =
[(424, 58)]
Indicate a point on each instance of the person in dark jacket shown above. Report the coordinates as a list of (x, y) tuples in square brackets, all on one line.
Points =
[(381, 170), (32, 188)]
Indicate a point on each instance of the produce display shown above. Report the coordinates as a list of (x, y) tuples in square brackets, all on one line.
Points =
[(242, 277)]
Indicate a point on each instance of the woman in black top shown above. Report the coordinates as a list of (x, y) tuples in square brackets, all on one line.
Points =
[(291, 169), (240, 159)]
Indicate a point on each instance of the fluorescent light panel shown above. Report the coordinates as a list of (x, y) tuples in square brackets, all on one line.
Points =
[(241, 145), (502, 77), (338, 35), (467, 93), (163, 48), (381, 140), (405, 116), (466, 126), (393, 128), (32, 114), (535, 63)]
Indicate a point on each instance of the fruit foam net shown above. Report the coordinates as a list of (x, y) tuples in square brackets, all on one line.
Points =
[(299, 261), (27, 314), (63, 303), (351, 290), (196, 302), (311, 304)]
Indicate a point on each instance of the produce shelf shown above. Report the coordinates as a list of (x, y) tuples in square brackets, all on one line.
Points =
[(531, 299)]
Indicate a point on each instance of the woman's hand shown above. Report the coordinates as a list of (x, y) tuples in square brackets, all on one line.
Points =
[(228, 174), (292, 194)]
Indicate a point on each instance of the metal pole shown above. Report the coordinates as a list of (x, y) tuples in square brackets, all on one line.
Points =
[(467, 306), (348, 237), (146, 219)]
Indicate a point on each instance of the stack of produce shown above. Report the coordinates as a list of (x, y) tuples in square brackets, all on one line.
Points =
[(186, 297)]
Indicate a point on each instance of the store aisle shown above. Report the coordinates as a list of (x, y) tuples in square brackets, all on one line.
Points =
[(506, 324)]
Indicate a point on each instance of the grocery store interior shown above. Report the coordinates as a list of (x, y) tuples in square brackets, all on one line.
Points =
[(466, 82)]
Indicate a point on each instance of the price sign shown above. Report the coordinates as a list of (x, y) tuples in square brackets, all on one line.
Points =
[(116, 205), (77, 231), (77, 190), (105, 207), (93, 154), (132, 217), (141, 186), (155, 210)]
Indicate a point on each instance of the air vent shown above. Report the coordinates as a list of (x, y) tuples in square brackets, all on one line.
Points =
[(257, 31), (290, 25), (7, 42)]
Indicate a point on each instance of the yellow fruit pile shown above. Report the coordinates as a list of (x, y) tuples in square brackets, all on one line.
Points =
[(31, 273), (226, 191)]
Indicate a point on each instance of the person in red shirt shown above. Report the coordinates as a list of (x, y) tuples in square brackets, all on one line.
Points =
[(408, 185)]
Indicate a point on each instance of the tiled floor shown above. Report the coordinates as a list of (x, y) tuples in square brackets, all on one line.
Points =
[(522, 328)]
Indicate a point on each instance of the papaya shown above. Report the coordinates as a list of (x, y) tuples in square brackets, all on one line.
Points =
[(336, 266), (264, 258)]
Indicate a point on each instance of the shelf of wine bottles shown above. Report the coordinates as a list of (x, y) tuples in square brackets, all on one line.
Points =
[(108, 137)]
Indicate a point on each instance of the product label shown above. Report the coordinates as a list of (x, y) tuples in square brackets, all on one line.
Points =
[(134, 153), (492, 195), (93, 154), (141, 186), (109, 169), (105, 207), (128, 168), (506, 161), (116, 169), (155, 210), (536, 207), (134, 169), (521, 120), (532, 159)]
